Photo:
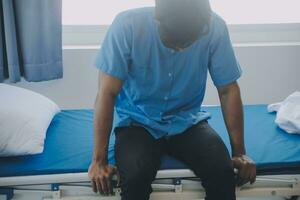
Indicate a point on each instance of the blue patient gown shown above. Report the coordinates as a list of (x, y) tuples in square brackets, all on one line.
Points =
[(163, 89)]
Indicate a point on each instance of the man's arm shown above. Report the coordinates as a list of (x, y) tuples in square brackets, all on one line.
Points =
[(232, 109), (100, 172)]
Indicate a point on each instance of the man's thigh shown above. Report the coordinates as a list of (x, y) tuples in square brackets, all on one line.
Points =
[(201, 148), (136, 151)]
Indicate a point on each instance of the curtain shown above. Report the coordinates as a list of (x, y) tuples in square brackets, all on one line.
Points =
[(30, 40)]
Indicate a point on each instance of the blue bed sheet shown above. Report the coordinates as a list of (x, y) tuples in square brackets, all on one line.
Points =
[(69, 145)]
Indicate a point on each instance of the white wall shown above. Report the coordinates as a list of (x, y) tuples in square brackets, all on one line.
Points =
[(78, 87), (270, 73)]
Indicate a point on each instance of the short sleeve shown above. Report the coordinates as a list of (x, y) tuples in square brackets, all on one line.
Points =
[(223, 65), (114, 55)]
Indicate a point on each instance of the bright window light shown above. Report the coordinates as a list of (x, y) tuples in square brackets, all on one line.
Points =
[(258, 11), (98, 12), (95, 12)]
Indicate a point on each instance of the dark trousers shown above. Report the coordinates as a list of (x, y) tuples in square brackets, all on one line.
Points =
[(138, 156)]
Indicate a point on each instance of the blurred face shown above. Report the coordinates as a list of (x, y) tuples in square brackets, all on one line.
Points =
[(182, 22)]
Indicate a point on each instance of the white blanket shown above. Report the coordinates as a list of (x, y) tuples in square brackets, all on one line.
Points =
[(288, 113)]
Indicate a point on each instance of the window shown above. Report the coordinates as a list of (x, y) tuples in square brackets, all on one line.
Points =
[(258, 11), (97, 12), (251, 22)]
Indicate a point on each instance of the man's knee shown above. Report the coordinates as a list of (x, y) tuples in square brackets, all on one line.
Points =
[(225, 171), (137, 155), (219, 183), (140, 175), (217, 166), (221, 167), (137, 172), (136, 179)]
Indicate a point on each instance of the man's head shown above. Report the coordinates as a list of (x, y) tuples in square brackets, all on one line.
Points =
[(181, 22)]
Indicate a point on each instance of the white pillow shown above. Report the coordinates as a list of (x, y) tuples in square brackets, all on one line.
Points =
[(24, 120)]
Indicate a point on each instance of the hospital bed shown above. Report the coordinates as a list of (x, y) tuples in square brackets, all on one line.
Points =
[(60, 172)]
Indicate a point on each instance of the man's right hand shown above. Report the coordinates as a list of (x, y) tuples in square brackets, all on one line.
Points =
[(101, 176)]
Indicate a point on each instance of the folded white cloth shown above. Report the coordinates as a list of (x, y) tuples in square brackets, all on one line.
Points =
[(288, 113)]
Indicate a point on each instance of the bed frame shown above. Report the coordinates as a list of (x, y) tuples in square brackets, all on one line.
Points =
[(169, 184)]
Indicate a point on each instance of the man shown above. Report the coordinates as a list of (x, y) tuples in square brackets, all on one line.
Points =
[(153, 69)]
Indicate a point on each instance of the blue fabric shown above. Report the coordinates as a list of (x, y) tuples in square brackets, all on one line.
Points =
[(163, 89), (69, 145), (30, 40)]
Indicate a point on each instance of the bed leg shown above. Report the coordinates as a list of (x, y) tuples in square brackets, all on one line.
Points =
[(56, 193), (117, 192), (177, 184), (295, 197)]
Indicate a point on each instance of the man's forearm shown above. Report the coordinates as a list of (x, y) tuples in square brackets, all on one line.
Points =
[(232, 110), (103, 118)]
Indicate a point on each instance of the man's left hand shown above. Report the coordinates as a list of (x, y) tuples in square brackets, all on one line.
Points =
[(246, 169)]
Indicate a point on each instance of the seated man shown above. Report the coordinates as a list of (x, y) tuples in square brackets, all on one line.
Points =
[(154, 64)]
